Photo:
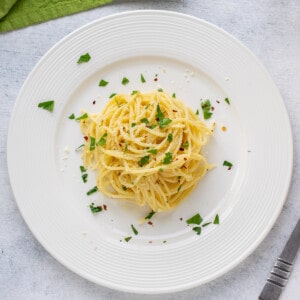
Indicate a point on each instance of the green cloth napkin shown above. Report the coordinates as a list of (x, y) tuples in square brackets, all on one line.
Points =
[(16, 14)]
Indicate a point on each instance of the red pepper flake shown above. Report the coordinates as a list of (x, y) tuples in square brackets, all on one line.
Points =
[(229, 168), (217, 101), (180, 219), (104, 206), (86, 137), (212, 108), (155, 79), (94, 102), (150, 223), (181, 149), (174, 110)]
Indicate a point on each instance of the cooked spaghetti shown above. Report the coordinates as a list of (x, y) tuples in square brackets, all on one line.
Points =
[(146, 149)]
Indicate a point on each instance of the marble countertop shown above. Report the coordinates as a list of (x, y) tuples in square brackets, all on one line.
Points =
[(270, 29)]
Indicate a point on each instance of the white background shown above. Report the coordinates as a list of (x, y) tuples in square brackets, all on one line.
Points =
[(271, 29)]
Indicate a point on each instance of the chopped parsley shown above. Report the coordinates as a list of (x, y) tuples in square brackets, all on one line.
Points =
[(84, 116), (153, 126), (95, 209), (92, 144), (197, 112), (125, 81), (144, 160), (174, 95), (227, 101), (124, 188), (127, 239), (159, 114), (84, 58), (152, 151), (78, 148), (196, 219), (227, 164), (82, 169), (197, 229), (160, 169), (102, 82), (167, 159), (206, 224), (216, 220), (72, 117), (145, 121), (179, 188), (160, 90), (134, 230), (134, 92), (206, 106), (170, 137), (147, 106), (133, 124), (143, 79), (150, 215), (92, 191), (102, 140), (185, 144), (126, 148), (163, 122), (47, 105), (84, 177), (112, 95)]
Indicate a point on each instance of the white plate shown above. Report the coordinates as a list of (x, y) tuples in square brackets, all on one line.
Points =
[(196, 60)]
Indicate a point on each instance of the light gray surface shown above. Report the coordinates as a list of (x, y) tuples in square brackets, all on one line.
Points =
[(271, 29)]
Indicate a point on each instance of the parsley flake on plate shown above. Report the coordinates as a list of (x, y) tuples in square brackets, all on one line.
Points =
[(227, 101), (84, 58), (216, 220), (125, 81), (84, 116), (47, 105), (103, 83), (84, 177), (92, 191), (78, 148), (196, 219), (197, 229), (143, 80), (134, 230), (227, 164), (150, 215), (95, 209), (206, 106)]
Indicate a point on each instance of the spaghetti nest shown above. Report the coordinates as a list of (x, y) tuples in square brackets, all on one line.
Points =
[(146, 149)]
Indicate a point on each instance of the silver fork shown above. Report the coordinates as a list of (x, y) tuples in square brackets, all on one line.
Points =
[(282, 268)]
